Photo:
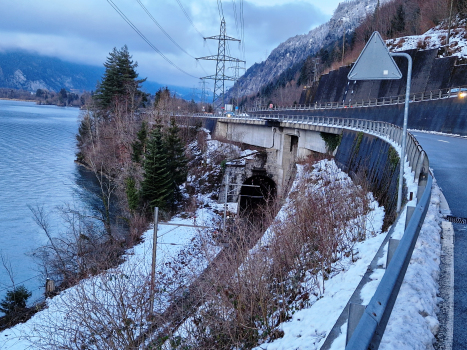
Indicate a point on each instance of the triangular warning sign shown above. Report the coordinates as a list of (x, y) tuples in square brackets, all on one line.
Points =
[(375, 62)]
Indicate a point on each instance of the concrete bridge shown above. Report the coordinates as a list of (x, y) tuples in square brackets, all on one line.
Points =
[(365, 145), (283, 143)]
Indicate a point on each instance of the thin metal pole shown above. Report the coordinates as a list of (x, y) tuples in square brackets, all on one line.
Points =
[(404, 129), (154, 255), (225, 197)]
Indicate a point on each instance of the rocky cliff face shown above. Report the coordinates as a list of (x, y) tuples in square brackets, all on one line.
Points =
[(347, 16)]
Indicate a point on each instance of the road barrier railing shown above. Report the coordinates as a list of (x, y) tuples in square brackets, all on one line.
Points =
[(372, 324), (370, 328), (459, 92), (416, 156)]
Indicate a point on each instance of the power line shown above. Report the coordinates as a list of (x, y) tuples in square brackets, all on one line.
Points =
[(190, 20), (166, 34), (242, 22), (162, 29), (235, 15), (19, 283), (115, 7)]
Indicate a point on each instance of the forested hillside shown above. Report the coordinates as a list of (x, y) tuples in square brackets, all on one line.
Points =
[(303, 61), (29, 71)]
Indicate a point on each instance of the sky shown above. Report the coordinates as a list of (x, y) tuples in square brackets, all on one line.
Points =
[(86, 31)]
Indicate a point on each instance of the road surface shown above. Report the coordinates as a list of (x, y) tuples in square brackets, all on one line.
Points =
[(448, 159)]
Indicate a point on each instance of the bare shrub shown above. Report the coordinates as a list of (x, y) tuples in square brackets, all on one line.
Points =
[(249, 292), (422, 44), (83, 249), (108, 311)]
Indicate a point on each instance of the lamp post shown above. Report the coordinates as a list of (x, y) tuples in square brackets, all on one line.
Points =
[(404, 128)]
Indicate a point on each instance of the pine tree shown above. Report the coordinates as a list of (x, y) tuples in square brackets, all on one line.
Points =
[(157, 185), (132, 194), (140, 143), (15, 300), (120, 79), (176, 160)]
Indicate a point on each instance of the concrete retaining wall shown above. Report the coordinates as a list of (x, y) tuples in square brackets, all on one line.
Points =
[(429, 73), (367, 157)]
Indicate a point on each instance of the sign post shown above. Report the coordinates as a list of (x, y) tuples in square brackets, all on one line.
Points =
[(376, 63)]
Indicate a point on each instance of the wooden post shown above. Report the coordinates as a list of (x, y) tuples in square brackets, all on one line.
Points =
[(49, 287)]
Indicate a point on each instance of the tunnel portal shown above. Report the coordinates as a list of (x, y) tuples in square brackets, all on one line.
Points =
[(256, 191)]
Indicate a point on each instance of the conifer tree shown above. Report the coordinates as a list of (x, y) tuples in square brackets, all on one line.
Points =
[(15, 300), (131, 194), (120, 79), (176, 160), (140, 143), (157, 185)]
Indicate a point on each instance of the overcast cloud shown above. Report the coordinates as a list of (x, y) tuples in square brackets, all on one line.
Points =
[(86, 31)]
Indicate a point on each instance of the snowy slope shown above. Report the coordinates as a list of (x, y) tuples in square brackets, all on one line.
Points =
[(432, 39), (413, 323), (414, 312)]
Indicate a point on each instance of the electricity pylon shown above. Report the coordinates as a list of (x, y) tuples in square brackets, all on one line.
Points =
[(220, 77), (236, 76)]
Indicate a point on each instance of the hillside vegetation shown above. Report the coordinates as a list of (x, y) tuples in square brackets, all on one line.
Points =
[(392, 19)]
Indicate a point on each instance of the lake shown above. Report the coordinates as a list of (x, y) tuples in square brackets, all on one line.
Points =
[(37, 152)]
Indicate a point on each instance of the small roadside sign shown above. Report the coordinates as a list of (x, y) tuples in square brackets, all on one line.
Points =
[(375, 62)]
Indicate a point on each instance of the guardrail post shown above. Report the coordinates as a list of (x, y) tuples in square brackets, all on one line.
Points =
[(392, 246), (408, 216), (355, 314), (423, 177)]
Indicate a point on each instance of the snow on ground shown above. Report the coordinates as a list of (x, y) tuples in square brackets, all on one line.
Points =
[(171, 242), (412, 324), (432, 39), (309, 327)]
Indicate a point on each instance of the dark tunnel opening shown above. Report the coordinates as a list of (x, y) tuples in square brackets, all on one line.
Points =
[(255, 192)]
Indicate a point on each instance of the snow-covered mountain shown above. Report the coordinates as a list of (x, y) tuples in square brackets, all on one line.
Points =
[(347, 16)]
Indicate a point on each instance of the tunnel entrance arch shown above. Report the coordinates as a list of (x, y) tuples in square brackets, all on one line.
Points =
[(256, 191)]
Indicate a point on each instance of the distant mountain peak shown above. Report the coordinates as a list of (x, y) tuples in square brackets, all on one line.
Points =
[(347, 16)]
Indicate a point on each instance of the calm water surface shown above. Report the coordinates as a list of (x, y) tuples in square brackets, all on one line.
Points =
[(37, 150)]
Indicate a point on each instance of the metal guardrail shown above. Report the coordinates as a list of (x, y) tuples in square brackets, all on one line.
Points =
[(370, 329), (415, 154), (439, 94), (372, 324)]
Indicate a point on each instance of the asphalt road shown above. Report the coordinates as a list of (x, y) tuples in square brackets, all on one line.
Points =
[(448, 159)]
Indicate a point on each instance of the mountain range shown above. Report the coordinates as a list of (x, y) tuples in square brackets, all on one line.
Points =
[(30, 71)]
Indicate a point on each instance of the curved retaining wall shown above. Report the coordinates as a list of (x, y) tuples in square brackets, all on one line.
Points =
[(377, 162)]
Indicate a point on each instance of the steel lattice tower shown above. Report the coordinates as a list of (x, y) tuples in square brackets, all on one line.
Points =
[(220, 77)]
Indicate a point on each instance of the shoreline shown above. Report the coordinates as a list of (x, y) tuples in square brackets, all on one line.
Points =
[(37, 102)]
